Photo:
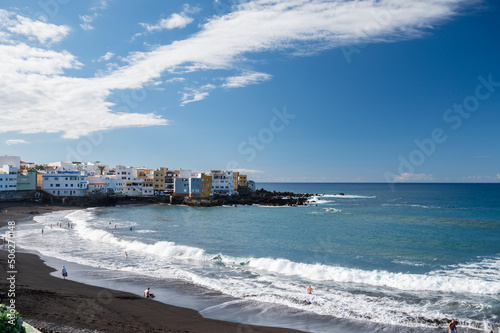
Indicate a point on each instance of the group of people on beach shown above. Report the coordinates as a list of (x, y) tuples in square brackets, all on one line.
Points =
[(70, 226)]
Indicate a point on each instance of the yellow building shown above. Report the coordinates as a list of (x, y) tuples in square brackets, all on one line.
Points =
[(144, 173), (206, 185), (159, 180), (39, 180), (242, 180), (235, 180), (239, 180)]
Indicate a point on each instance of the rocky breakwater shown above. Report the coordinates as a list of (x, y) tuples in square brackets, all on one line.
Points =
[(246, 197)]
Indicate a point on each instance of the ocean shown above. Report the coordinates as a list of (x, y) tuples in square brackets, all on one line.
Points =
[(379, 259)]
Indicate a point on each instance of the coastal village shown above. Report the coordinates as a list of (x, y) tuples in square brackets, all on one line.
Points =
[(20, 179)]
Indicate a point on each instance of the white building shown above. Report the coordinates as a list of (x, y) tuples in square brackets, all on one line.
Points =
[(126, 173), (65, 183), (64, 166), (97, 185), (115, 186), (222, 182), (94, 169), (8, 178), (15, 161), (133, 188), (147, 187), (184, 173)]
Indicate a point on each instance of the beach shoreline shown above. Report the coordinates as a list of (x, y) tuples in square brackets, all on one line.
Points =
[(56, 305)]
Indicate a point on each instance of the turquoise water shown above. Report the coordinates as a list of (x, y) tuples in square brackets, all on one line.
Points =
[(398, 258)]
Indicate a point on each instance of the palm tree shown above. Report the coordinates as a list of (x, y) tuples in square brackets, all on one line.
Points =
[(101, 167)]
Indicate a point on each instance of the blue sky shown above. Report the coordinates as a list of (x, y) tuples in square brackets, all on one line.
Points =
[(297, 90)]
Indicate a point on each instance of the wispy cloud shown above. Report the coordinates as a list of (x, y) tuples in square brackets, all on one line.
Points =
[(246, 79), (480, 178), (106, 57), (250, 171), (176, 20), (98, 5), (15, 142), (173, 21), (265, 25), (87, 20), (175, 79), (196, 94), (37, 97), (412, 177)]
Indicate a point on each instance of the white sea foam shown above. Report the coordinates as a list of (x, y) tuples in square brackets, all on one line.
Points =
[(327, 210), (347, 196), (279, 281), (401, 281), (322, 199), (442, 281)]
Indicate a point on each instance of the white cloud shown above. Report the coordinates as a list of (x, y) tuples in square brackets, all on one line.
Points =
[(176, 20), (266, 25), (106, 57), (36, 96), (175, 79), (196, 94), (412, 177), (87, 19), (246, 171), (246, 79), (15, 142), (480, 178), (100, 5), (86, 26), (173, 21), (498, 175), (44, 33)]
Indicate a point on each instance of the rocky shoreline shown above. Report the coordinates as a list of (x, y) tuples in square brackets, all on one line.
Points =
[(245, 197)]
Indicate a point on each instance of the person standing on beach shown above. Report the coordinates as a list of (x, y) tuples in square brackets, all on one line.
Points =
[(309, 290), (64, 272), (146, 293), (452, 326)]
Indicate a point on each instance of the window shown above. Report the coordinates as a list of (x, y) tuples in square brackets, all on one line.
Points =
[(58, 185), (66, 185), (51, 185), (71, 185), (56, 178)]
